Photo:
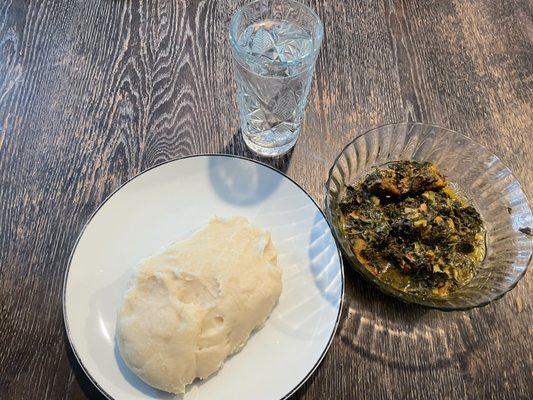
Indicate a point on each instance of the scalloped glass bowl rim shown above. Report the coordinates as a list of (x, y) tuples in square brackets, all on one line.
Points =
[(383, 287)]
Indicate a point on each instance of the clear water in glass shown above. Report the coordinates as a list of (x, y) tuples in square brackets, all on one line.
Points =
[(274, 65)]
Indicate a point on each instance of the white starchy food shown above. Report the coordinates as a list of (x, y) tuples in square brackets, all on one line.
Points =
[(197, 302)]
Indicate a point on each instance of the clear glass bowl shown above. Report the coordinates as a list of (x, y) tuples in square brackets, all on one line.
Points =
[(475, 173)]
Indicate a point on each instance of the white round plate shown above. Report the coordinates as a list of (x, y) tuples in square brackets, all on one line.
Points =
[(168, 203)]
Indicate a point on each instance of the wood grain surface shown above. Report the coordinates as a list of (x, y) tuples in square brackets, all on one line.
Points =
[(93, 92)]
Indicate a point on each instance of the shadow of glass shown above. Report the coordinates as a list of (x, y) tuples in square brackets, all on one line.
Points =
[(246, 185)]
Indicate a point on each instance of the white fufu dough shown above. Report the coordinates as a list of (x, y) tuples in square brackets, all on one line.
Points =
[(197, 302)]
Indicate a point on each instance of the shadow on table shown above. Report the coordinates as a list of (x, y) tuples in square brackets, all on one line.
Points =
[(361, 293), (250, 183), (88, 388)]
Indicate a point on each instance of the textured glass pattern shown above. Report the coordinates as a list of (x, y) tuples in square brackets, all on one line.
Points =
[(474, 172), (274, 45)]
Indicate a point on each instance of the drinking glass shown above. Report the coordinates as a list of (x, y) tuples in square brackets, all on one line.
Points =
[(274, 45)]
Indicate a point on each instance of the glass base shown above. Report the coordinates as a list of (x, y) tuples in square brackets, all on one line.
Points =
[(269, 151)]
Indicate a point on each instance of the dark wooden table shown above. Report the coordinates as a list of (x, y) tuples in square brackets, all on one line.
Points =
[(94, 92)]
